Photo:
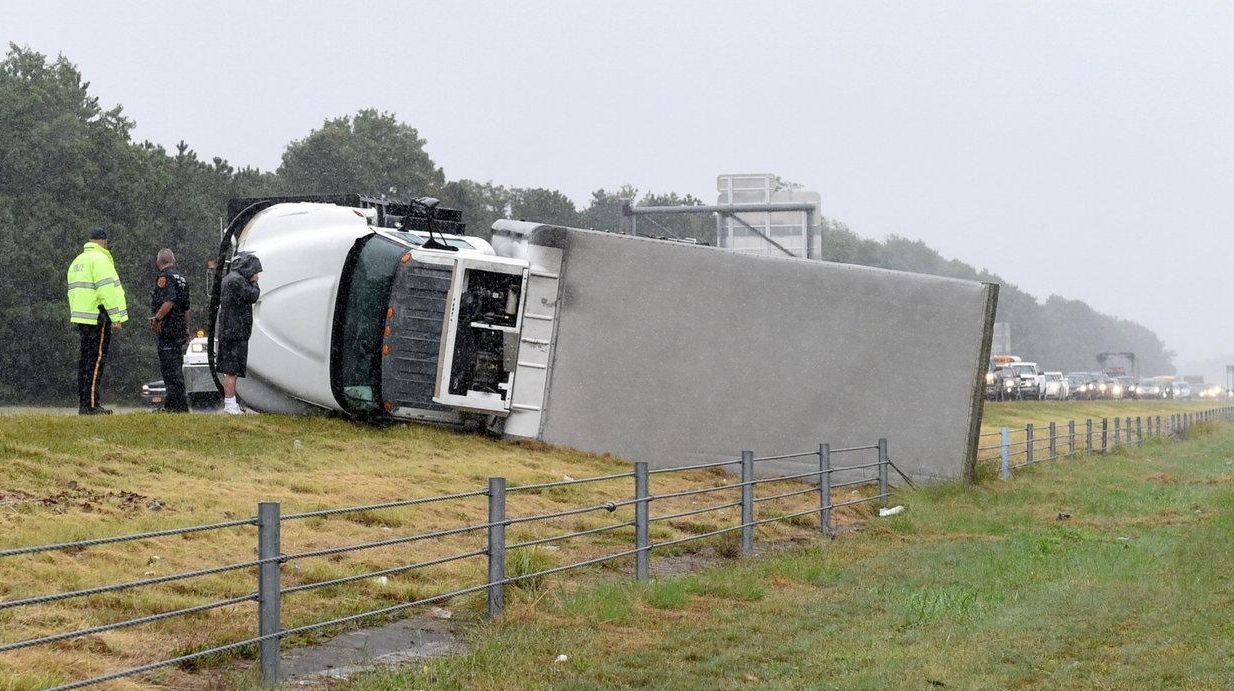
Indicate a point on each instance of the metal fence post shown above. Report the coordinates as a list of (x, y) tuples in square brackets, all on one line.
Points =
[(1117, 432), (1004, 449), (642, 540), (747, 503), (824, 488), (1053, 441), (1071, 438), (496, 545), (882, 470), (1028, 444), (269, 607), (1105, 435), (1088, 426)]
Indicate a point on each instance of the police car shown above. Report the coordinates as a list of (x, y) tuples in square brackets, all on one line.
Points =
[(154, 393), (198, 384)]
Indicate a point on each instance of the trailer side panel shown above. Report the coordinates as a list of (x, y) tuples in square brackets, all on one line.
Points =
[(676, 354)]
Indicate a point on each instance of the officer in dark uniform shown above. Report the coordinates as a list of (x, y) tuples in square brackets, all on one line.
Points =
[(170, 321)]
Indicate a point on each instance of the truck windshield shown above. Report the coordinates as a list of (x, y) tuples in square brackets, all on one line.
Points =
[(359, 320)]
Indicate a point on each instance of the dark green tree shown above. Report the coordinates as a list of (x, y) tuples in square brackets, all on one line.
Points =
[(482, 203), (701, 227), (68, 164), (604, 210), (543, 205), (370, 152)]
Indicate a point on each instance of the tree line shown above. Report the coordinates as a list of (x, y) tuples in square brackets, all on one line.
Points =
[(68, 164)]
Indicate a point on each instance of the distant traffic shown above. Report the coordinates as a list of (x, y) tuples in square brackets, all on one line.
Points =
[(1011, 379)]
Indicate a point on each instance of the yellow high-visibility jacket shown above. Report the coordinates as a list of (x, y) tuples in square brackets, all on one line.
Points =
[(94, 283)]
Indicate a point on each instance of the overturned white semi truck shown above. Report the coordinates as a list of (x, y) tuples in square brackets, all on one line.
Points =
[(651, 350)]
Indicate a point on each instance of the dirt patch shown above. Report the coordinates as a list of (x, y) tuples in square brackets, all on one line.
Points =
[(1169, 517), (1163, 478), (1219, 480), (9, 497), (74, 496)]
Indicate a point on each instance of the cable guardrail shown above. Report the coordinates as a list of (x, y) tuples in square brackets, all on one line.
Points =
[(568, 536), (321, 513), (563, 483), (1096, 436), (157, 580), (383, 572), (269, 566), (82, 544), (331, 551)]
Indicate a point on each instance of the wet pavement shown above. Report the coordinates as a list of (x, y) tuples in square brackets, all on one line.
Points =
[(360, 651)]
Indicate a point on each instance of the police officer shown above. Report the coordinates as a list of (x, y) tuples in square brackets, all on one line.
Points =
[(96, 307), (170, 320)]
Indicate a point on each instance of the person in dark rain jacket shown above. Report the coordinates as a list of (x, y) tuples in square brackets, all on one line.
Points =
[(236, 297)]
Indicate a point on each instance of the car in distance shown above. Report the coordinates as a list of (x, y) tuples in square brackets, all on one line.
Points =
[(1028, 384), (198, 384), (1055, 386), (1124, 387), (1082, 385), (154, 393), (1149, 389), (1104, 388), (1180, 390)]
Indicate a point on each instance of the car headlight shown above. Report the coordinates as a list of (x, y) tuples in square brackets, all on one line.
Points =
[(145, 389)]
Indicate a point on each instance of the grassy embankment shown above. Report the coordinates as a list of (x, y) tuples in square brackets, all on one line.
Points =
[(1106, 572), (71, 478)]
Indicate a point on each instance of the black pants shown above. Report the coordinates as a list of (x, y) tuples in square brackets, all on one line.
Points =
[(95, 339), (171, 362)]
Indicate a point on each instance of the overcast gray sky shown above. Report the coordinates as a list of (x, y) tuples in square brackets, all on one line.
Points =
[(1081, 149)]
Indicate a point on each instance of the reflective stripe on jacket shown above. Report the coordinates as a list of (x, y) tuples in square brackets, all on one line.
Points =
[(94, 283)]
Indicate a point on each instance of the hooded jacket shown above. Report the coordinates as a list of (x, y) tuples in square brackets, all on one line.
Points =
[(94, 288), (236, 298)]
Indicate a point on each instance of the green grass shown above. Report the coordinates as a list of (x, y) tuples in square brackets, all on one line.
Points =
[(972, 587), (1041, 413)]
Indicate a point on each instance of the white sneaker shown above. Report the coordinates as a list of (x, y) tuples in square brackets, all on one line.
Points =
[(233, 411)]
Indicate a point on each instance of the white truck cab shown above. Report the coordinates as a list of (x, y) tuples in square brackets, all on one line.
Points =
[(367, 320)]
